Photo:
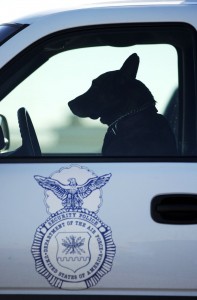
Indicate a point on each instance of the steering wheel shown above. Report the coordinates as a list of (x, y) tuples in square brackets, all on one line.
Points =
[(30, 145)]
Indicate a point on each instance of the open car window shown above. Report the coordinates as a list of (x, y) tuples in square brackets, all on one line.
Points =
[(129, 86)]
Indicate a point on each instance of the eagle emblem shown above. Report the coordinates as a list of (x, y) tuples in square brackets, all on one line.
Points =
[(72, 194)]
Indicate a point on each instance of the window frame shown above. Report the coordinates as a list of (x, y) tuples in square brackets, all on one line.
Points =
[(9, 30)]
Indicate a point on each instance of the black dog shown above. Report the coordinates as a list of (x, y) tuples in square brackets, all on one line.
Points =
[(127, 106)]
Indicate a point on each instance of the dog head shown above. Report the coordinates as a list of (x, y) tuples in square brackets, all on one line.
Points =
[(112, 94)]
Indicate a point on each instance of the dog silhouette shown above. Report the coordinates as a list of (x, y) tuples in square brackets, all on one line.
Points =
[(127, 106)]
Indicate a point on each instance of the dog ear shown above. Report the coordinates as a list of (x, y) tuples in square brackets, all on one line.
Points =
[(130, 66)]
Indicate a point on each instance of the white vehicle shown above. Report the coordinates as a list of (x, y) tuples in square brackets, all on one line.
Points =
[(85, 212)]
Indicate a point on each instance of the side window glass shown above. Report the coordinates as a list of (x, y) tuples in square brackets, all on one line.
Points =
[(101, 97)]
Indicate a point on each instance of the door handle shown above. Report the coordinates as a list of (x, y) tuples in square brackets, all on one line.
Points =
[(174, 209)]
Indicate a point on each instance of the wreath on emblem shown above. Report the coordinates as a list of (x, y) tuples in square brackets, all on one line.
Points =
[(73, 248)]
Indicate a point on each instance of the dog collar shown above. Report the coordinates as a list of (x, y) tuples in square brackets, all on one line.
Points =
[(113, 125)]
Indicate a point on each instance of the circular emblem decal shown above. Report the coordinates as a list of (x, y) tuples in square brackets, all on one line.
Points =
[(73, 248)]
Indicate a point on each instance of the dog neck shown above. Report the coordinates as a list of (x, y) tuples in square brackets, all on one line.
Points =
[(130, 113)]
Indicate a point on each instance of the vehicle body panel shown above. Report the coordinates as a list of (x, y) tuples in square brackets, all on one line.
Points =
[(149, 256)]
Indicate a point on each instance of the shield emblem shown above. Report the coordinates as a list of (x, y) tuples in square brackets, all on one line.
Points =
[(73, 250)]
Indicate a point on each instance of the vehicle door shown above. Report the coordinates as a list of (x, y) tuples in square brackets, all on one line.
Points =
[(75, 220)]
